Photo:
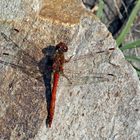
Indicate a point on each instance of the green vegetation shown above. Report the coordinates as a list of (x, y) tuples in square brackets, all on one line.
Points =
[(100, 10), (134, 59), (126, 29), (131, 45), (128, 25)]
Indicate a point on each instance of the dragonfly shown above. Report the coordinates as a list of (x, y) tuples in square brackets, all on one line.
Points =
[(54, 63)]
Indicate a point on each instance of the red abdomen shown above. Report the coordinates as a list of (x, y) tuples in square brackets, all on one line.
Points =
[(53, 98)]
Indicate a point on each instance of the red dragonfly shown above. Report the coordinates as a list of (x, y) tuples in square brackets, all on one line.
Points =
[(57, 66), (52, 63)]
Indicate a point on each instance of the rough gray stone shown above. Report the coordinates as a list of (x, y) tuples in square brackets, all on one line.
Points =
[(103, 100)]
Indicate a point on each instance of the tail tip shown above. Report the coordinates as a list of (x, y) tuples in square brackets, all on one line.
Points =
[(48, 123)]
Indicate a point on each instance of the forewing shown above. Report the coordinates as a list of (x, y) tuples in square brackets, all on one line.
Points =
[(12, 55), (93, 67)]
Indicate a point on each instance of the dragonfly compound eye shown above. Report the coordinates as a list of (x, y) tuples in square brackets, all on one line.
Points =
[(62, 47)]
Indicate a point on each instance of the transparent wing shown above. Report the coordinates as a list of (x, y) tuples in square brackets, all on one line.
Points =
[(11, 54), (94, 67), (81, 69), (83, 79), (32, 73), (11, 49), (91, 54)]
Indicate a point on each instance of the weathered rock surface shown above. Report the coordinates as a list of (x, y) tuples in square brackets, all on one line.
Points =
[(104, 100)]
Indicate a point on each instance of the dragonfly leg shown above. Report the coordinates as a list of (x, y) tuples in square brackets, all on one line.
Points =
[(67, 60), (63, 74)]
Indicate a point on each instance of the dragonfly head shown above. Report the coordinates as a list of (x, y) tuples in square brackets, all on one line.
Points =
[(62, 47)]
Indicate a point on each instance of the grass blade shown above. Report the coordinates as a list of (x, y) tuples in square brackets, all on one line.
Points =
[(132, 58), (131, 45), (128, 24), (138, 70), (100, 10)]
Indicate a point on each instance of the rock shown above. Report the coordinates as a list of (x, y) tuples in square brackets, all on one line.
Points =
[(89, 3), (103, 100)]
